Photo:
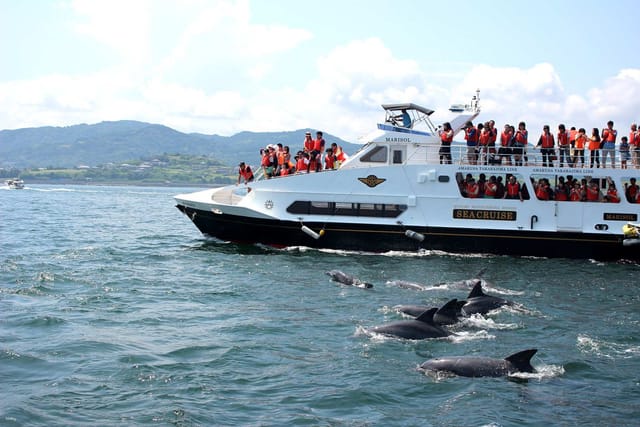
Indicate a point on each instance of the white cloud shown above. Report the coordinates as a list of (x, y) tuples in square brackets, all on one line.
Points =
[(122, 25), (215, 76)]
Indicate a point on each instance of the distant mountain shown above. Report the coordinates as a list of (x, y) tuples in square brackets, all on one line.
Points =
[(120, 141)]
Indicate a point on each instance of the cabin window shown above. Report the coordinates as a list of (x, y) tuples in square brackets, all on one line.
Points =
[(443, 178), (491, 187), (377, 154), (384, 210), (575, 188)]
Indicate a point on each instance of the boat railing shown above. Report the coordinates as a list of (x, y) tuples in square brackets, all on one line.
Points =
[(490, 156)]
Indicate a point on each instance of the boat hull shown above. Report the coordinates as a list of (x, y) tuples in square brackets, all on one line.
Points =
[(385, 238)]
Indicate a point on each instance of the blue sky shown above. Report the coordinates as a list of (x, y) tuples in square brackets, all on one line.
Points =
[(221, 67)]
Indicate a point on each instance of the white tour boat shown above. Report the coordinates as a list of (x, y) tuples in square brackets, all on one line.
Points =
[(395, 195)]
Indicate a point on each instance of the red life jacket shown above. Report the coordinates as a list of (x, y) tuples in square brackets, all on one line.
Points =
[(246, 174), (340, 154), (541, 193), (301, 165), (446, 137), (612, 195), (521, 137), (563, 139), (505, 137), (547, 140), (561, 194), (472, 190), (593, 194), (513, 189), (575, 195), (308, 144), (484, 137), (329, 161), (490, 189), (318, 145)]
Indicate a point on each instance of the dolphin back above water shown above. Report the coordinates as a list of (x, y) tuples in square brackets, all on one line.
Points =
[(448, 314), (469, 366), (480, 303), (347, 279), (421, 328)]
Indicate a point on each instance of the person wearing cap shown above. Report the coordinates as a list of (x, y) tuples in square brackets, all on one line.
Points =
[(307, 145), (245, 173)]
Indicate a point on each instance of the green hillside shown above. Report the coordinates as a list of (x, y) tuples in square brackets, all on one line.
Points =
[(123, 141)]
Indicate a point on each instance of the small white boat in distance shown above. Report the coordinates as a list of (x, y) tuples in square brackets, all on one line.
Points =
[(15, 184)]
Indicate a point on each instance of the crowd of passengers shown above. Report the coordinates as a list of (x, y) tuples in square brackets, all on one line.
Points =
[(566, 189), (313, 157), (485, 146)]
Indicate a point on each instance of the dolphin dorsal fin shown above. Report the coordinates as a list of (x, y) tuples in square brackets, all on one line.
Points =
[(450, 309), (427, 316), (522, 360), (477, 290)]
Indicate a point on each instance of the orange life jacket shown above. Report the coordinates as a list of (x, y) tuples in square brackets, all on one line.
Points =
[(581, 139), (572, 135), (612, 195), (609, 135)]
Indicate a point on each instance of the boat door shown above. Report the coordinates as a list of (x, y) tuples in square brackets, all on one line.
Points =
[(398, 154), (569, 216)]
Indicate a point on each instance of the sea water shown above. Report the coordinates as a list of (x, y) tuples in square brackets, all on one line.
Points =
[(115, 310)]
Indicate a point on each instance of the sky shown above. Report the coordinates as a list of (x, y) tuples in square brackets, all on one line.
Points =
[(222, 66)]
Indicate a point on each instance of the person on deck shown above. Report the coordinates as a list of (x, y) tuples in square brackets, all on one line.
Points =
[(446, 137), (594, 147), (520, 143), (609, 136), (244, 173), (547, 143), (564, 146), (341, 156), (506, 141), (471, 136), (580, 144)]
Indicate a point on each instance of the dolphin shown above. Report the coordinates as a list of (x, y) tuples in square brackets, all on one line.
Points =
[(448, 314), (407, 285), (481, 303), (347, 279), (420, 328), (466, 283), (469, 366)]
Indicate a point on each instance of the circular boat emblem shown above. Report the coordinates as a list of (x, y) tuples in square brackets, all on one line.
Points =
[(268, 204)]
